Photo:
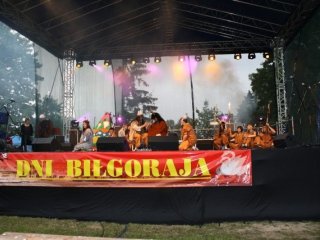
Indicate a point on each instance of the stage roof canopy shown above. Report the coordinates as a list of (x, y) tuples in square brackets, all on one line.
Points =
[(100, 29)]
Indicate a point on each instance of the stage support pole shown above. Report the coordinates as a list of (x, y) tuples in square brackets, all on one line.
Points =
[(192, 96)]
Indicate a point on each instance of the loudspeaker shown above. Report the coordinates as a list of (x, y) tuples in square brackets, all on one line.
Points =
[(44, 144), (164, 143), (112, 144), (283, 140), (205, 144), (74, 136)]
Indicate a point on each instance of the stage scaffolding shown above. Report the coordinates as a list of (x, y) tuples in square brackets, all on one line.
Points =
[(280, 86), (68, 90)]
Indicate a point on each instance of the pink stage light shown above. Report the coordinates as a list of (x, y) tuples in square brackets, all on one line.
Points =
[(99, 68)]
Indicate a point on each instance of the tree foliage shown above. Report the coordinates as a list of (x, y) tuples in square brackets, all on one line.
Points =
[(135, 96), (18, 80), (264, 90), (205, 117)]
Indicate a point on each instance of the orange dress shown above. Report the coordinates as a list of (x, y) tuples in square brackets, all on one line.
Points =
[(157, 128), (220, 140), (238, 141), (188, 136), (264, 140)]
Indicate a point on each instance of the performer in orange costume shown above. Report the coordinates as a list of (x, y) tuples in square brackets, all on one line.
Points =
[(138, 134), (188, 136), (158, 126), (249, 137), (221, 139), (237, 141), (264, 138)]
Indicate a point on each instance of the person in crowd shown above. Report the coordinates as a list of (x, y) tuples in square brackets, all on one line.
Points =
[(264, 138), (188, 136), (249, 137), (112, 132), (44, 127), (86, 139), (122, 130), (138, 135), (158, 126), (221, 139), (237, 139), (26, 131)]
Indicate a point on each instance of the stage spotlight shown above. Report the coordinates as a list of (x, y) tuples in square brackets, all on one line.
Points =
[(107, 62), (237, 56), (266, 55), (79, 64), (133, 61), (251, 55), (146, 60), (157, 59), (211, 57), (92, 63), (181, 58), (198, 58)]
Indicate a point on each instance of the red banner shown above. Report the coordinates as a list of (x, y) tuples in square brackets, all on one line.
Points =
[(127, 169)]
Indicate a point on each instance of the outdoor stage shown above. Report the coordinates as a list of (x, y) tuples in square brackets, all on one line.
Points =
[(285, 185)]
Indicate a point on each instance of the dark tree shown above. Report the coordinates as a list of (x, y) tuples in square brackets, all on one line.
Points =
[(135, 97), (264, 89)]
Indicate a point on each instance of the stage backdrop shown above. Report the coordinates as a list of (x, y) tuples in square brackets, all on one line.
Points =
[(127, 169)]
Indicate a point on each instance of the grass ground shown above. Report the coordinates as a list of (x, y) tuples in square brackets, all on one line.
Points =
[(224, 231)]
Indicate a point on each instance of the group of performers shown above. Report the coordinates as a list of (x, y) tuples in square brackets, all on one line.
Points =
[(139, 130), (251, 138)]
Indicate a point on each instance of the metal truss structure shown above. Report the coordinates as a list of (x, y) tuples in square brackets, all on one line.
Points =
[(156, 28), (68, 90), (280, 86)]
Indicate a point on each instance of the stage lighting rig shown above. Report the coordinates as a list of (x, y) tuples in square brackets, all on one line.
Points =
[(181, 58), (266, 55), (211, 57), (251, 55), (79, 64), (198, 58), (146, 60), (107, 62), (92, 62), (157, 59), (237, 56)]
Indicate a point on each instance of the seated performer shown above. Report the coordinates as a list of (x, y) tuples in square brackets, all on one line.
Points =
[(221, 139), (249, 137), (237, 139), (264, 138), (112, 132), (86, 139), (122, 130), (158, 126), (188, 136), (138, 135)]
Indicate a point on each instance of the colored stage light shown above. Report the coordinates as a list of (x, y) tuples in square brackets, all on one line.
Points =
[(146, 60), (79, 64), (251, 55), (237, 56), (133, 61), (107, 62), (92, 63), (198, 58), (157, 59), (119, 119)]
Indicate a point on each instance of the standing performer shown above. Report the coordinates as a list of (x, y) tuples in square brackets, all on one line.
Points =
[(249, 137), (158, 126), (86, 139), (264, 138), (188, 136), (44, 128), (26, 134), (237, 139), (221, 139)]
